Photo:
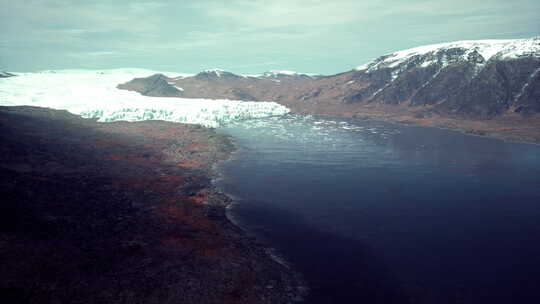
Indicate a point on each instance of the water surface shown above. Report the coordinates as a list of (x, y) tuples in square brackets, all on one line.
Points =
[(382, 213)]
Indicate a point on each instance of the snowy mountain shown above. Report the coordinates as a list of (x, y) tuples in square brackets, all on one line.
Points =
[(93, 94), (478, 79), (476, 51)]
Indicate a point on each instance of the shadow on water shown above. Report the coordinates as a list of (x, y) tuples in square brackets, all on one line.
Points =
[(338, 270)]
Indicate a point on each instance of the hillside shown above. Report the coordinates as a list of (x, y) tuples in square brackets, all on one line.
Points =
[(121, 213)]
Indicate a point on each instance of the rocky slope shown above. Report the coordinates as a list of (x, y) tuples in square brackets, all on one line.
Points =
[(460, 81), (4, 74), (477, 79), (121, 213), (219, 84)]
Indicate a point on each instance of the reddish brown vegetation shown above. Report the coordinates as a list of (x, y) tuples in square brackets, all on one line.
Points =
[(120, 213)]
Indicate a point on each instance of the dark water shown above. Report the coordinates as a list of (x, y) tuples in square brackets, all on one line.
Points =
[(372, 212)]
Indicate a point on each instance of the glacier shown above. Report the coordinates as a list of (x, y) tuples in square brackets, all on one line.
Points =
[(93, 94)]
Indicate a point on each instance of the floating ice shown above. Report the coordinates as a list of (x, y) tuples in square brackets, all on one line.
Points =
[(93, 94)]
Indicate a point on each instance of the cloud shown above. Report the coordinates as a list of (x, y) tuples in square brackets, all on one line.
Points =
[(282, 13), (44, 19), (315, 32), (96, 54)]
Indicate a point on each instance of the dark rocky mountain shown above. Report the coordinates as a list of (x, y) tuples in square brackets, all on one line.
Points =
[(218, 84), (4, 74), (467, 79), (155, 85)]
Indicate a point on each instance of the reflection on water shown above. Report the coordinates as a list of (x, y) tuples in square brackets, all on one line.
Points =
[(391, 214)]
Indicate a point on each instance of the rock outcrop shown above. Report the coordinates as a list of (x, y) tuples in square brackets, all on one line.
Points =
[(4, 74), (156, 85)]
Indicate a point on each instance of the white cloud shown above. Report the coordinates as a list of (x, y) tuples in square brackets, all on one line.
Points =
[(282, 13), (254, 31), (96, 54)]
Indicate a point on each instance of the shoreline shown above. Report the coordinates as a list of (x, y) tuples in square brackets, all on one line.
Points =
[(497, 136), (217, 176), (155, 226), (507, 127), (297, 282), (471, 132)]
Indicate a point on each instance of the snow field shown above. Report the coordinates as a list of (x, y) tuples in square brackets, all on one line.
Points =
[(93, 94)]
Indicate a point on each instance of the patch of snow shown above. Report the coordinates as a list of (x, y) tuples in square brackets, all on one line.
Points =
[(380, 90), (363, 67), (282, 72), (174, 85), (395, 74), (216, 71), (427, 63), (432, 78), (93, 94), (182, 76), (531, 77), (276, 73)]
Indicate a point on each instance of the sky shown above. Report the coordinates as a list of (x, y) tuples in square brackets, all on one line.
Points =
[(243, 36)]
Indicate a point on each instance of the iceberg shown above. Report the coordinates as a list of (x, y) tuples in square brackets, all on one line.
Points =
[(93, 94)]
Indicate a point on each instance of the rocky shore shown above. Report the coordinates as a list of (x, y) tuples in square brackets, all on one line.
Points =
[(510, 126), (122, 213)]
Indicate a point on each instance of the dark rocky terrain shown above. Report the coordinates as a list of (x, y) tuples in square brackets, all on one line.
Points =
[(217, 84), (121, 213), (155, 85), (449, 86), (5, 74)]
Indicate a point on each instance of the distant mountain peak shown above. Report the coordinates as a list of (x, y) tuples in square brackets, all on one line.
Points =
[(215, 73), (479, 51), (281, 73)]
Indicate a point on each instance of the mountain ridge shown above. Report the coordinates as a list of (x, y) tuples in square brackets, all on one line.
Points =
[(467, 80)]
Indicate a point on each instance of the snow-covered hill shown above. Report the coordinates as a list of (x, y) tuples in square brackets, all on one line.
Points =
[(477, 51), (282, 73), (474, 79), (92, 93)]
